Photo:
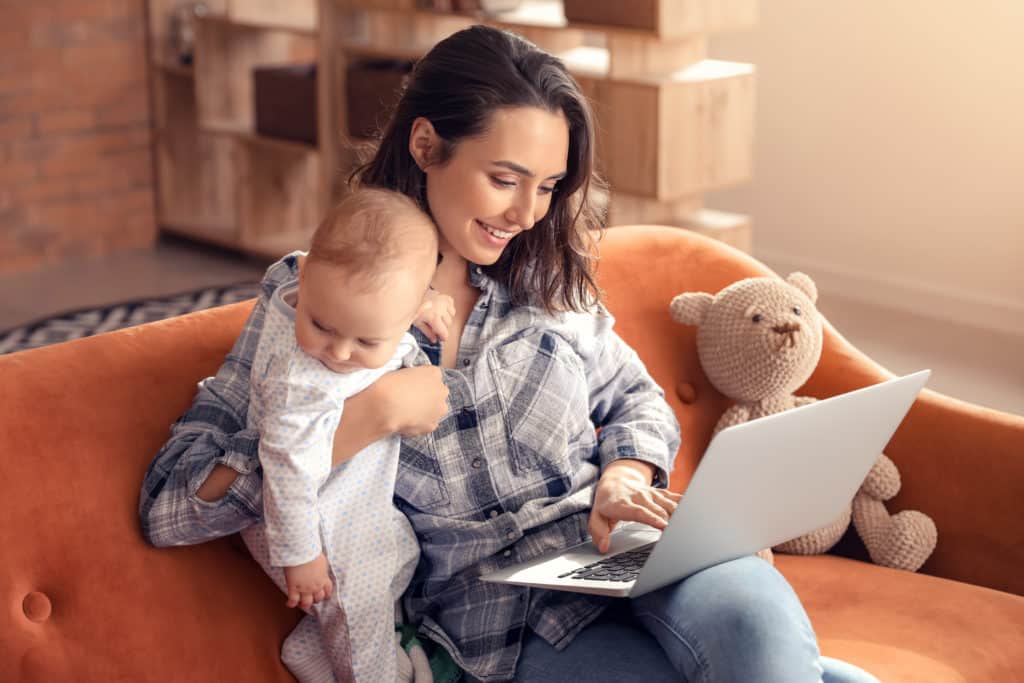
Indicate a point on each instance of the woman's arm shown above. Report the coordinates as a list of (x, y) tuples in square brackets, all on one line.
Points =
[(210, 436), (382, 409), (639, 435), (626, 403)]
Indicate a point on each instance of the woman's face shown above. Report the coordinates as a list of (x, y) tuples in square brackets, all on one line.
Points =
[(498, 184)]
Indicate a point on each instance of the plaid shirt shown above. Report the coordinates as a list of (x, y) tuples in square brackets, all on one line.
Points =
[(507, 476)]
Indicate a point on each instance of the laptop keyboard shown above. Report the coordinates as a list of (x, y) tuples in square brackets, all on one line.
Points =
[(622, 567)]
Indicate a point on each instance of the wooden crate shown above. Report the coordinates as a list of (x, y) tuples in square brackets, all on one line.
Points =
[(664, 18), (278, 194), (196, 170), (671, 137), (294, 14), (225, 56)]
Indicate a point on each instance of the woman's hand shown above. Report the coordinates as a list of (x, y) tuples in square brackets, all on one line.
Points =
[(624, 494), (410, 402)]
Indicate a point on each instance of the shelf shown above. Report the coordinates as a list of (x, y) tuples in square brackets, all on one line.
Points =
[(652, 19), (226, 55), (294, 15), (676, 135), (195, 169), (278, 245), (278, 188), (171, 69), (254, 23)]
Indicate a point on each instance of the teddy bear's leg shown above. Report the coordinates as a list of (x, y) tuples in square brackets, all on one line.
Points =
[(883, 481), (818, 541), (901, 541)]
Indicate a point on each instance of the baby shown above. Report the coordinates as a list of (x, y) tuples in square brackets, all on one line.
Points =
[(333, 540)]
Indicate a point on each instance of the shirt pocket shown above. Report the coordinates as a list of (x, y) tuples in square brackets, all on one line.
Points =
[(542, 390), (419, 482)]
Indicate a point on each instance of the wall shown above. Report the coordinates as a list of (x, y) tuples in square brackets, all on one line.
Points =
[(890, 151), (75, 159)]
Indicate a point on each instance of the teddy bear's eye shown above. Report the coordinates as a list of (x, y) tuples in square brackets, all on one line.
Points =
[(796, 310), (757, 318)]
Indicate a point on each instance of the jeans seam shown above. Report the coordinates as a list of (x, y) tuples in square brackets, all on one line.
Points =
[(704, 666)]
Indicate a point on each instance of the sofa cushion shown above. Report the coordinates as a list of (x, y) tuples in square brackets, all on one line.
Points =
[(902, 626)]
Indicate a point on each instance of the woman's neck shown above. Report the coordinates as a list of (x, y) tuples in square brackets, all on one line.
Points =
[(452, 273)]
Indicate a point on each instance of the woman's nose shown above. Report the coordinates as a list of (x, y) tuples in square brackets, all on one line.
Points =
[(521, 212)]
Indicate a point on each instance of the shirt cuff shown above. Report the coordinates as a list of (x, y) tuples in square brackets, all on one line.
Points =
[(637, 445)]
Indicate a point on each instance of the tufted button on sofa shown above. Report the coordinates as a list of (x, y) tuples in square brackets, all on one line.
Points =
[(88, 600)]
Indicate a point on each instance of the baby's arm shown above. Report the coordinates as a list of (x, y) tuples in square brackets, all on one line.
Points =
[(295, 427), (308, 583), (435, 315)]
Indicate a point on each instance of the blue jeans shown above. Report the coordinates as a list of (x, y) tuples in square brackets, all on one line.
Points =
[(739, 621)]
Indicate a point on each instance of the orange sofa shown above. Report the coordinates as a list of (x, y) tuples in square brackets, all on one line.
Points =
[(87, 600)]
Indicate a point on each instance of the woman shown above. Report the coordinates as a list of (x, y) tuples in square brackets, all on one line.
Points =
[(494, 139)]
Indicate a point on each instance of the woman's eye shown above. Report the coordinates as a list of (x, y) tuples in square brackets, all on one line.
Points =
[(757, 318), (500, 182), (546, 190)]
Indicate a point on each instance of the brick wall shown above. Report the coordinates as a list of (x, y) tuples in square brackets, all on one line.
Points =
[(76, 173)]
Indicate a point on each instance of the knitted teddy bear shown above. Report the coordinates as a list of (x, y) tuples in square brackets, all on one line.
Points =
[(759, 340)]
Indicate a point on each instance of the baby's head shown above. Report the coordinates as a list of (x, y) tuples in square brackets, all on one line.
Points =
[(364, 279)]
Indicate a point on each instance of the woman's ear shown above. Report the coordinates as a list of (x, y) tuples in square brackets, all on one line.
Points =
[(424, 143)]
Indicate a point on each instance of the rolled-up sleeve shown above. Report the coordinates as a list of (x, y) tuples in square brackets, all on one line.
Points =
[(625, 402), (212, 432)]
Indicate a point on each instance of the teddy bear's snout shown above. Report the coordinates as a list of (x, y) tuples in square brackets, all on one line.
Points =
[(787, 335)]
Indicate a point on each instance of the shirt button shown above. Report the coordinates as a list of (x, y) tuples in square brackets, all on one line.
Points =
[(507, 553), (494, 513), (478, 270), (476, 463), (465, 362), (511, 535)]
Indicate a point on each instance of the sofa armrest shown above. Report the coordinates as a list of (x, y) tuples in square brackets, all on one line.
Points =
[(961, 464)]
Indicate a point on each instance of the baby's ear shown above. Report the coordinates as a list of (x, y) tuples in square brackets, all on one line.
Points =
[(805, 284), (691, 308)]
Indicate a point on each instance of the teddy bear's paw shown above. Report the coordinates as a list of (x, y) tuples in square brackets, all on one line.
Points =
[(767, 555), (883, 481), (818, 541), (907, 542)]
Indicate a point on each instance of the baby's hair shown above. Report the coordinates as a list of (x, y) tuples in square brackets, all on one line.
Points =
[(372, 233)]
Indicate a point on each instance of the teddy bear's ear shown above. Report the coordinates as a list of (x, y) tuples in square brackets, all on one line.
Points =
[(805, 284), (690, 308)]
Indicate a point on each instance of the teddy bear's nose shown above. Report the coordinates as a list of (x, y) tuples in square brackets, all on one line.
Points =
[(788, 332)]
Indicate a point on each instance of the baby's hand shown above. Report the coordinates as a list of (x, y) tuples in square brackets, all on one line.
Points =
[(308, 583), (435, 316)]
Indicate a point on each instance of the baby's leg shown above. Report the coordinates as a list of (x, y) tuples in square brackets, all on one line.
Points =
[(369, 557), (304, 654)]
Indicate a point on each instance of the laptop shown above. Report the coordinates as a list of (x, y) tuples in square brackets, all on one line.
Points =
[(759, 484)]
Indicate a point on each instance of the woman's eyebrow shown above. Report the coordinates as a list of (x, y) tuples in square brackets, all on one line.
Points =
[(522, 170)]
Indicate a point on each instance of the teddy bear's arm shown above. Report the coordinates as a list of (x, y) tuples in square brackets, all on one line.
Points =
[(736, 415), (883, 481), (803, 400)]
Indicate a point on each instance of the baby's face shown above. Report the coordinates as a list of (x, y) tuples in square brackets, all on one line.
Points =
[(347, 328)]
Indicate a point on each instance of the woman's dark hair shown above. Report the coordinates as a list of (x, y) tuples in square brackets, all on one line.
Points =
[(457, 86)]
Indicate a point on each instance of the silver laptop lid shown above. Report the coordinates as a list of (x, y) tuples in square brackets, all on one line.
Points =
[(830, 444)]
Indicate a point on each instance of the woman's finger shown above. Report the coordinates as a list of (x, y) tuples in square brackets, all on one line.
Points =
[(651, 514), (666, 502)]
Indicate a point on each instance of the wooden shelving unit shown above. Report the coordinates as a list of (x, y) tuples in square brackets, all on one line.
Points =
[(673, 124)]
